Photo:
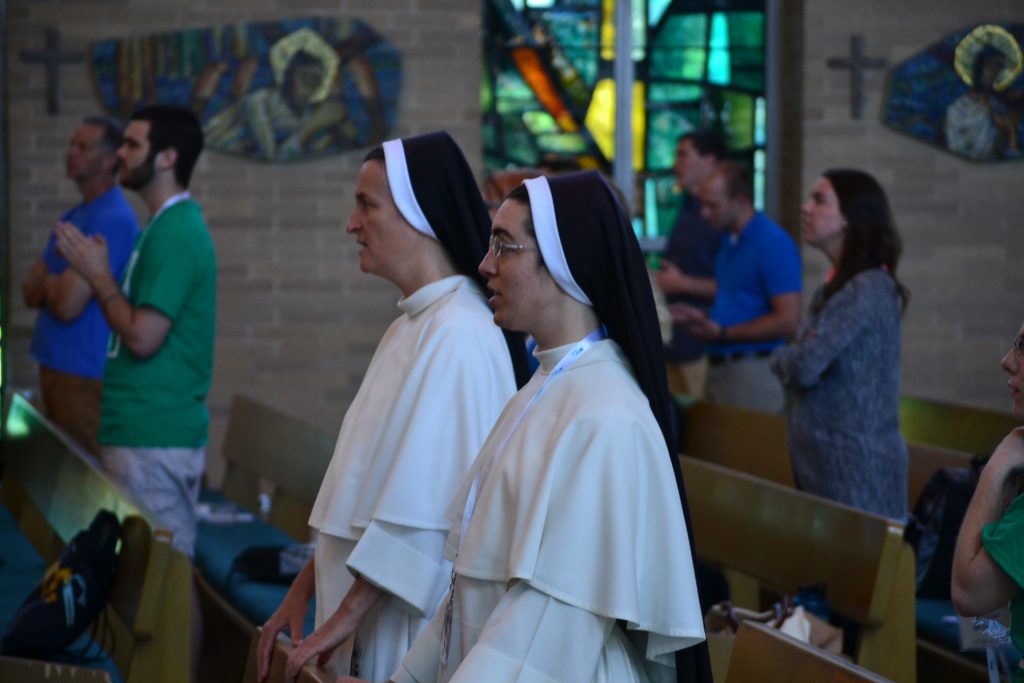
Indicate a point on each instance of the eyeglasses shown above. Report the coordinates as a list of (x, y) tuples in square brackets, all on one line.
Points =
[(1018, 346), (498, 247)]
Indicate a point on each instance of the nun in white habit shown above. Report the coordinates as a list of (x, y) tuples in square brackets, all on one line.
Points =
[(435, 385), (571, 551)]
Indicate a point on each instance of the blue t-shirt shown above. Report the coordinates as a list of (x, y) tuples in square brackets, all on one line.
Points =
[(691, 248), (79, 346), (758, 264)]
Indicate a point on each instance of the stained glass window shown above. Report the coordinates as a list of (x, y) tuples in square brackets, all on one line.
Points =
[(548, 92)]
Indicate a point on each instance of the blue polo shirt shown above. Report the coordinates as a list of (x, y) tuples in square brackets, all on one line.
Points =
[(761, 262), (79, 346)]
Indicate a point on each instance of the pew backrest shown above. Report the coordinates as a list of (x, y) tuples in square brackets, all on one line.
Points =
[(765, 655), (954, 427), (924, 460), (310, 673), (265, 448), (741, 439), (54, 489), (784, 538)]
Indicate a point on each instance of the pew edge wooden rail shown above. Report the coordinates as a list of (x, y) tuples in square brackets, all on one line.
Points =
[(53, 489), (756, 443), (783, 538), (264, 450)]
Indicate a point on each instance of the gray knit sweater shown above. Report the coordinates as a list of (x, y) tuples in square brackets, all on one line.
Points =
[(842, 380)]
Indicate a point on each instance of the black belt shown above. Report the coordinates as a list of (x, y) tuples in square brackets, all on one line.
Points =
[(723, 358)]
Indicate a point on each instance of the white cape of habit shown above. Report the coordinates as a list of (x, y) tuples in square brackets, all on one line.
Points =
[(437, 382), (577, 526)]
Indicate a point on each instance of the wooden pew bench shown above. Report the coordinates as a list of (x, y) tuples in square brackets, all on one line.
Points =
[(53, 489), (310, 673), (271, 453), (783, 538), (755, 443), (959, 428), (765, 655)]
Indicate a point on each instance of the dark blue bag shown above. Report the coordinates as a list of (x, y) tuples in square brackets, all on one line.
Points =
[(70, 596)]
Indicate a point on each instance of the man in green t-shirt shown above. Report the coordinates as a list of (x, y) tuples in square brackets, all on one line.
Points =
[(988, 564), (153, 424)]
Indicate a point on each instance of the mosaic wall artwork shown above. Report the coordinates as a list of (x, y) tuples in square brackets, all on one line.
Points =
[(548, 96), (280, 90), (964, 93)]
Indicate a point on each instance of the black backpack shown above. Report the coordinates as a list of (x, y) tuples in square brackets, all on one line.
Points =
[(70, 596), (934, 524)]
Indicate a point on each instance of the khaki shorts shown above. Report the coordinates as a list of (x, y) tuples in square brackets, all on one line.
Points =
[(73, 403), (165, 481)]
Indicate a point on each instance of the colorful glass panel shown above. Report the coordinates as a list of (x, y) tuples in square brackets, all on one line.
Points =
[(549, 89)]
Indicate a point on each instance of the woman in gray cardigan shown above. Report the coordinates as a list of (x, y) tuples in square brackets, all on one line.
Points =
[(842, 371)]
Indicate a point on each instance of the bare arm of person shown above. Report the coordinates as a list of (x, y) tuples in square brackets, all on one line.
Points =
[(33, 287), (673, 281), (979, 584), (141, 329), (359, 600), (781, 321), (290, 615)]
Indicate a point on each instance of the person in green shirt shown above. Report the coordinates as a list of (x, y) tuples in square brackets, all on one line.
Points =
[(154, 421), (988, 564)]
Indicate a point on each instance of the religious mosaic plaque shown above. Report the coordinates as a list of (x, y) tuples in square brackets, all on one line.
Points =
[(280, 90), (964, 93)]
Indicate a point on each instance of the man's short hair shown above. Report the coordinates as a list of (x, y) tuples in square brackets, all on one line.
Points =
[(705, 142), (113, 132), (176, 127), (738, 182)]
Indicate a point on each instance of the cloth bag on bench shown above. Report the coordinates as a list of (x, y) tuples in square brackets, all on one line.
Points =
[(723, 619)]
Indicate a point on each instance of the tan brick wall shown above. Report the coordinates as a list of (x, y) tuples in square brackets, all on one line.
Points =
[(957, 218), (297, 321)]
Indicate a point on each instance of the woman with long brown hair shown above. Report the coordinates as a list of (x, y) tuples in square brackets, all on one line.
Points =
[(842, 370)]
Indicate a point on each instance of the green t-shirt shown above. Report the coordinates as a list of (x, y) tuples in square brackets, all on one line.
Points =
[(160, 401), (1004, 542)]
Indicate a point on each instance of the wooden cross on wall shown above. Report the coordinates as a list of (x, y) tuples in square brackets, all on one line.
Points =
[(52, 57), (857, 63)]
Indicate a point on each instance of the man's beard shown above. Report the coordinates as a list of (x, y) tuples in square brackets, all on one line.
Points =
[(140, 176)]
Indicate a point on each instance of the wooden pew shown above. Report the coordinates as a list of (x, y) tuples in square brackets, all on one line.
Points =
[(756, 443), (956, 427), (765, 655), (783, 538), (265, 451), (267, 448), (740, 439), (32, 671), (310, 673), (924, 460), (54, 489)]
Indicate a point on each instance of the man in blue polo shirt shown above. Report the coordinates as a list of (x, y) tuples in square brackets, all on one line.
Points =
[(757, 305), (70, 337)]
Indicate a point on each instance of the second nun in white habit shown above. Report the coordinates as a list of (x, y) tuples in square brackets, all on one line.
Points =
[(435, 385), (569, 536)]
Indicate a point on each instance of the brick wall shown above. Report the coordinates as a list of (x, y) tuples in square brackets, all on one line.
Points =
[(297, 321), (956, 217)]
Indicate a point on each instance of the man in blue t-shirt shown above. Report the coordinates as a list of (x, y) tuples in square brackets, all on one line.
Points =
[(70, 336), (757, 305)]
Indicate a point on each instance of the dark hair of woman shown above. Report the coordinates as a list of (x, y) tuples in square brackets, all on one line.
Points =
[(870, 239)]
